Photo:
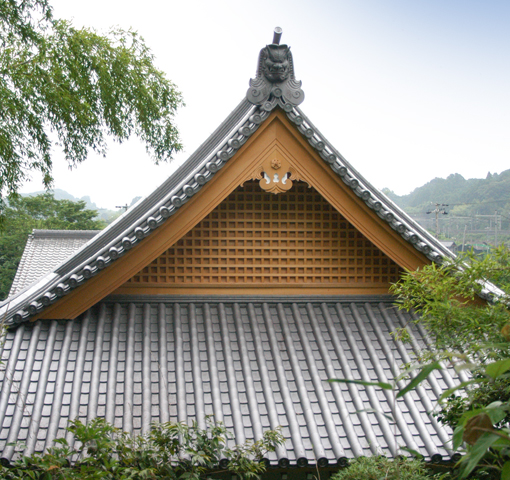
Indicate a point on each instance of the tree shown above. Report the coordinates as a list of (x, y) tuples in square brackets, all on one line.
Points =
[(42, 212), (475, 335), (73, 87), (449, 301)]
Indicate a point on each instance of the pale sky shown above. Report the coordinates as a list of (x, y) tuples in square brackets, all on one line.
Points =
[(406, 90)]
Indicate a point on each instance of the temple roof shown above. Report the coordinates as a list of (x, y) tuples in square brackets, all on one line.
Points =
[(45, 250), (254, 362)]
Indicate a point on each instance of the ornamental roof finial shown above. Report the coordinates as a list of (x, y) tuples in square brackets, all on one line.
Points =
[(275, 83)]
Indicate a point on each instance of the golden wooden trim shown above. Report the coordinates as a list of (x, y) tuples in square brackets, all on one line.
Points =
[(128, 289)]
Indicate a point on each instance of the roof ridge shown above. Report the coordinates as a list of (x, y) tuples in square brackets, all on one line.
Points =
[(45, 233)]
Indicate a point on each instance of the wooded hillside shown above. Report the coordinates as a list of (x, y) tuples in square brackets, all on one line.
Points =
[(479, 208)]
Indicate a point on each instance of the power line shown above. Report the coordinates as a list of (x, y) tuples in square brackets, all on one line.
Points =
[(482, 203)]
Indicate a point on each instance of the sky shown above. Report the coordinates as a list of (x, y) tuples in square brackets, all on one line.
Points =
[(406, 90)]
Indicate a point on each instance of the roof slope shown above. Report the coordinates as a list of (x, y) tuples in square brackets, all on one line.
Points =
[(44, 251), (252, 363)]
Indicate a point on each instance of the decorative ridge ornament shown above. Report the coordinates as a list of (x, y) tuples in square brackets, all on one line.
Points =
[(275, 173), (275, 83)]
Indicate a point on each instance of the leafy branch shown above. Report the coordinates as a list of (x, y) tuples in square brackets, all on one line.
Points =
[(74, 88)]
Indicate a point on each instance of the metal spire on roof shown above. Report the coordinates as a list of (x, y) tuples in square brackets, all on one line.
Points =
[(277, 35)]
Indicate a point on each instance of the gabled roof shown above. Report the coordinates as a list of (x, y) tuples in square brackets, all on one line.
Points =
[(141, 220), (254, 362), (274, 88), (45, 250)]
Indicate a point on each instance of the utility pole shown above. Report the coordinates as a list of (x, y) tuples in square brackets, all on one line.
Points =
[(496, 228), (440, 209), (489, 228)]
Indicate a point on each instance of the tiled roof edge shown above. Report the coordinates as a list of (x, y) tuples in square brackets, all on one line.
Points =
[(64, 233), (17, 278), (398, 220), (173, 186), (139, 221), (385, 208)]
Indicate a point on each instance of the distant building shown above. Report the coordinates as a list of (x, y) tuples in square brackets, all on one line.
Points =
[(450, 245)]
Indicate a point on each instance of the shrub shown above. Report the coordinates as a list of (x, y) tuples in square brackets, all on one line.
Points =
[(172, 451), (381, 468)]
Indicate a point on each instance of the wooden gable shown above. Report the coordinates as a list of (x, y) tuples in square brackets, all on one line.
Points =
[(276, 138)]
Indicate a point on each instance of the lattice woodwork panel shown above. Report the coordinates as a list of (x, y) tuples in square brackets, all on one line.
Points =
[(257, 238)]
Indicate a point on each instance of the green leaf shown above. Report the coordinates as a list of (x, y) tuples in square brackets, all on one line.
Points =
[(476, 453), (457, 437), (496, 411), (505, 471), (495, 369), (504, 439), (424, 373), (383, 385), (414, 453)]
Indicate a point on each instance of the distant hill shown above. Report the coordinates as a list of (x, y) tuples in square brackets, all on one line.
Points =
[(63, 195), (482, 196), (477, 205)]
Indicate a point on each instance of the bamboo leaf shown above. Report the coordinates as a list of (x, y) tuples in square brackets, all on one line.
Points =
[(424, 373), (495, 369), (414, 453), (448, 392), (479, 449), (505, 472), (383, 385), (457, 437)]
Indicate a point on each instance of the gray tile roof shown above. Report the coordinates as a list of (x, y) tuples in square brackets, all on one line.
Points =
[(253, 363), (147, 215), (45, 250)]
